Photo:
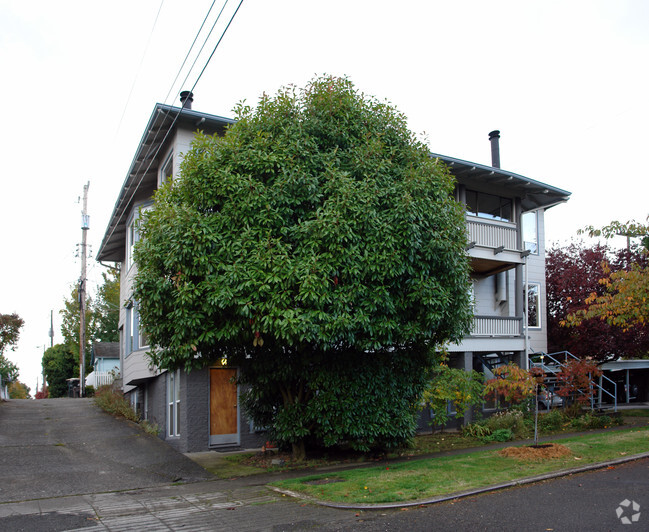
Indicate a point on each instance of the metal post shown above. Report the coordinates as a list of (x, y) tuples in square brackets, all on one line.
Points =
[(536, 415), (599, 392)]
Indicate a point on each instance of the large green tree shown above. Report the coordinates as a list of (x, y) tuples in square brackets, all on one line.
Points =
[(71, 324), (102, 315), (59, 364), (317, 246), (106, 308), (10, 325)]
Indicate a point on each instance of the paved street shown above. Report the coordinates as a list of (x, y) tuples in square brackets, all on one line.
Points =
[(85, 479)]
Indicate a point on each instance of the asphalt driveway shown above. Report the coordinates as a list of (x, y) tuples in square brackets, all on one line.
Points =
[(56, 447)]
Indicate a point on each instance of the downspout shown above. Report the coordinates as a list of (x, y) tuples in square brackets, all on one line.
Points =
[(526, 303)]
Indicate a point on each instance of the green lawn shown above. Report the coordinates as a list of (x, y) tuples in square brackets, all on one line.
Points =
[(425, 478)]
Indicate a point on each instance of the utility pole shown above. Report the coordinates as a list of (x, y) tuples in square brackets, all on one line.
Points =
[(85, 225), (51, 328)]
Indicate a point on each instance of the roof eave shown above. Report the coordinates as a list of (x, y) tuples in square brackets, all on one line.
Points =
[(155, 135)]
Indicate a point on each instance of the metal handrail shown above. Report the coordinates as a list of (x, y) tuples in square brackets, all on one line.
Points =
[(554, 357)]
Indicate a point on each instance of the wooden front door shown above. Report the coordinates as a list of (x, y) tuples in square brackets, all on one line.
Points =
[(224, 411)]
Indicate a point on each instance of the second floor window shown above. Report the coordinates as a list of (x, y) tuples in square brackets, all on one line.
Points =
[(134, 336), (489, 206), (530, 232), (167, 170), (534, 305), (133, 235)]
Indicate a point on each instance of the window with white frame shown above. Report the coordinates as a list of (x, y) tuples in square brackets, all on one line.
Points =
[(173, 403), (129, 329), (529, 222), (130, 243), (534, 305), (167, 170), (142, 337), (134, 335), (133, 235)]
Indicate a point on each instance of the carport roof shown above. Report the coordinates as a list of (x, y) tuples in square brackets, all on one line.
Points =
[(619, 365)]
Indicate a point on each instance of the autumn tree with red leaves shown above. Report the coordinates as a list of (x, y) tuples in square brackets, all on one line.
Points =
[(573, 276)]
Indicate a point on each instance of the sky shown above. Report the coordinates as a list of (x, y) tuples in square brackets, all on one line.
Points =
[(566, 82)]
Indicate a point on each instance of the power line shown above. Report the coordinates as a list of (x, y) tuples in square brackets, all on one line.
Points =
[(217, 44), (139, 68), (218, 17), (191, 48), (147, 154)]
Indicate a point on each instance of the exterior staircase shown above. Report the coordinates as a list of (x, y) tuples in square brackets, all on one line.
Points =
[(553, 363)]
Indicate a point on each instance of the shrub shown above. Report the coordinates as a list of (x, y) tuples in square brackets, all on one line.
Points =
[(592, 421), (499, 435), (113, 402), (150, 428), (511, 420), (553, 420), (476, 430), (463, 388)]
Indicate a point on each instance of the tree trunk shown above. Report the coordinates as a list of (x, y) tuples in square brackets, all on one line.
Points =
[(299, 451)]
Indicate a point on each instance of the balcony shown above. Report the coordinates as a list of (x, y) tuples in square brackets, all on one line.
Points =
[(493, 333), (496, 327), (493, 245), (492, 233)]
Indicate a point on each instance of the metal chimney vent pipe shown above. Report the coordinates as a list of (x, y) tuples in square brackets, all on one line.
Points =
[(495, 148), (186, 99)]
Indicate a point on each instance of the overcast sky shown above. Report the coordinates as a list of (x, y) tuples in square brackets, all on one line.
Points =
[(566, 82)]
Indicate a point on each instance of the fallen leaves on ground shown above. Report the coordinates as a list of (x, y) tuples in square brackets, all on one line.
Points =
[(536, 454)]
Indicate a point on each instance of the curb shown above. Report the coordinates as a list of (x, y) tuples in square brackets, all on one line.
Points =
[(468, 493)]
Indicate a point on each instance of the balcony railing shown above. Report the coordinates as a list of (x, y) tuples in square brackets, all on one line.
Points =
[(496, 326), (492, 233)]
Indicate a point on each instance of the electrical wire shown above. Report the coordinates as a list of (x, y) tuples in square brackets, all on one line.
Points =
[(191, 48), (205, 42), (175, 120), (139, 68)]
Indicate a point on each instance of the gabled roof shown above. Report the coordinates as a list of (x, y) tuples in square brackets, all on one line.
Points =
[(142, 177), (105, 350), (534, 194)]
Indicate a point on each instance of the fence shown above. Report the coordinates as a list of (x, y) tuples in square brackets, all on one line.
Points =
[(100, 378)]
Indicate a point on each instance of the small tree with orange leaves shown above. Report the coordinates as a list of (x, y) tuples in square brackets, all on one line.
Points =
[(512, 383)]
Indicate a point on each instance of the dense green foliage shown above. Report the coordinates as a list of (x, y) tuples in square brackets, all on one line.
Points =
[(113, 401), (8, 370), (59, 364), (102, 316), (366, 399), (10, 325), (106, 308), (318, 248)]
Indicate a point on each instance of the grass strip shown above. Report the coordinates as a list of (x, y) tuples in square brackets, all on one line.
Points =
[(426, 478)]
